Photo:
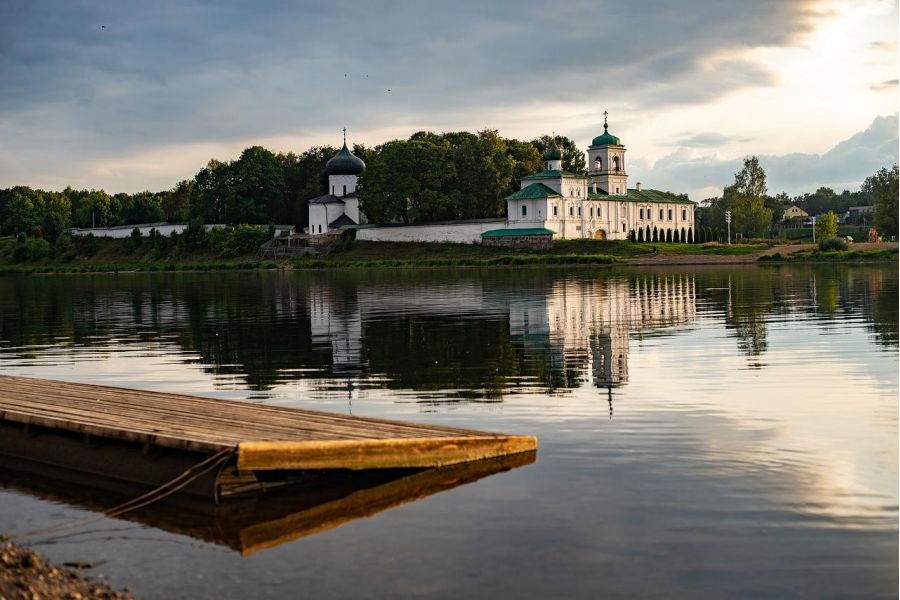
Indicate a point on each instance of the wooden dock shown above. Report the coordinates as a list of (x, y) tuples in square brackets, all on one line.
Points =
[(262, 437)]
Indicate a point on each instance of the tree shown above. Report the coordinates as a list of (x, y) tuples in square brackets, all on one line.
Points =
[(746, 200), (174, 203), (777, 204), (883, 187), (256, 187), (826, 226), (572, 157), (210, 192), (406, 182)]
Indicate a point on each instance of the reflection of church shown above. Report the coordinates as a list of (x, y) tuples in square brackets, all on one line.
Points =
[(338, 324), (588, 323)]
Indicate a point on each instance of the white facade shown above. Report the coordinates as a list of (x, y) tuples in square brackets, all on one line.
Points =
[(600, 205)]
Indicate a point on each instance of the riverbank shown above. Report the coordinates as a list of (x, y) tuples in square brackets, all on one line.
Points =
[(114, 256), (27, 575)]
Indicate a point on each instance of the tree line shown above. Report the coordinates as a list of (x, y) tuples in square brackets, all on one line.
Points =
[(427, 177), (755, 213)]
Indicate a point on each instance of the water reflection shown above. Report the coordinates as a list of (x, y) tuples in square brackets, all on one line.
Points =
[(476, 336)]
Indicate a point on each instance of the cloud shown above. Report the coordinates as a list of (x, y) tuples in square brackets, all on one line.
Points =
[(845, 166), (885, 85), (88, 81), (708, 140)]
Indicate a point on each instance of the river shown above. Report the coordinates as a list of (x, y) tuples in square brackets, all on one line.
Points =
[(703, 432)]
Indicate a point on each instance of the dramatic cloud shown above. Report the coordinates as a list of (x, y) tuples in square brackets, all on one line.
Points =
[(115, 94), (843, 167)]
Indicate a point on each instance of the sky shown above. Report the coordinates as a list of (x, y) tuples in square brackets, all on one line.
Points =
[(128, 96)]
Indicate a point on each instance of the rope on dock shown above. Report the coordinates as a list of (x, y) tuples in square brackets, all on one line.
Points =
[(155, 495)]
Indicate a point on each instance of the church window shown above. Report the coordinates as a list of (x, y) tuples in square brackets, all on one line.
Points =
[(623, 227), (524, 210), (592, 212), (617, 189), (578, 192), (670, 214), (555, 211), (571, 211), (332, 190), (683, 214), (660, 214), (642, 213), (345, 191), (598, 164), (579, 210), (616, 164)]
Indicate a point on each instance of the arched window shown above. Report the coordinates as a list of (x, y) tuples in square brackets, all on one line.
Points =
[(623, 227), (524, 210), (555, 210), (642, 213), (345, 191), (598, 164), (683, 214), (616, 164)]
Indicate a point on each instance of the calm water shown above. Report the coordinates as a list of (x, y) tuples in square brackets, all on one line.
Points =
[(704, 433)]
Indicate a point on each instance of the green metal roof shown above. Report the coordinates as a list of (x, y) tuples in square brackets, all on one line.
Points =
[(653, 196), (552, 175), (553, 153), (533, 192), (516, 232), (606, 139)]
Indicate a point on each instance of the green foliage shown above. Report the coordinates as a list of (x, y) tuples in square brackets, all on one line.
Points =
[(86, 245), (572, 157), (242, 239), (832, 243), (133, 241), (826, 226), (746, 200), (32, 249), (883, 187), (64, 249), (195, 236)]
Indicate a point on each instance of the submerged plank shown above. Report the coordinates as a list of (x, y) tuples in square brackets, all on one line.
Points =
[(264, 437)]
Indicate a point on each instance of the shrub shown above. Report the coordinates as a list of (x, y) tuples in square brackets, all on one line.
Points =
[(243, 239), (195, 235), (65, 248), (133, 242), (32, 249), (86, 245), (832, 244)]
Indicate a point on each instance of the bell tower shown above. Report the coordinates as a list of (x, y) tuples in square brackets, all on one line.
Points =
[(606, 162)]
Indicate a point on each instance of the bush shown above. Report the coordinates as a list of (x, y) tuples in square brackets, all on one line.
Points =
[(832, 244), (86, 245), (133, 242), (195, 236), (65, 248), (32, 249), (243, 239)]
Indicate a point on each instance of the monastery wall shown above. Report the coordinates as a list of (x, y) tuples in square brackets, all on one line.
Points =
[(459, 233)]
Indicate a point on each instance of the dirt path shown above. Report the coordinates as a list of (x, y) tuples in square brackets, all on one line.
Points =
[(738, 259)]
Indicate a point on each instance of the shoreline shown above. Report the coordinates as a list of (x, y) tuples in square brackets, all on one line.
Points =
[(861, 253), (27, 574)]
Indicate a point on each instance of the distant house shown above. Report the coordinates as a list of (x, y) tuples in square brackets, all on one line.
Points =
[(859, 215), (794, 215)]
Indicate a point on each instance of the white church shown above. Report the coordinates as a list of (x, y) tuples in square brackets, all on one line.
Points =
[(552, 203)]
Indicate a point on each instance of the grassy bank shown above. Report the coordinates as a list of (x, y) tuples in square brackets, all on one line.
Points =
[(832, 256), (108, 255)]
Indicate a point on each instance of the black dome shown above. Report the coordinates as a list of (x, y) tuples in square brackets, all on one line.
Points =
[(344, 163)]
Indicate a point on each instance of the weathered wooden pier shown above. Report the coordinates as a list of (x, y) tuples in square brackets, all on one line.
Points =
[(261, 440)]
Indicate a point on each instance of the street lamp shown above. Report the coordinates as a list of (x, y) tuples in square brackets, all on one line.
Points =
[(728, 223)]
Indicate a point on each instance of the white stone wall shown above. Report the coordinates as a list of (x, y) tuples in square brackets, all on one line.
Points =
[(318, 218), (460, 233), (124, 231)]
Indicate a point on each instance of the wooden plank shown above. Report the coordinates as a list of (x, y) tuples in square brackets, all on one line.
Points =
[(377, 454), (265, 437)]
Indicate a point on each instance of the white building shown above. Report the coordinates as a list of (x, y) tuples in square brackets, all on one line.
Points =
[(599, 205), (340, 206)]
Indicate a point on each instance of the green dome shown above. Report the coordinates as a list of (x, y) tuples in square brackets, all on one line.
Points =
[(552, 153), (606, 139)]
